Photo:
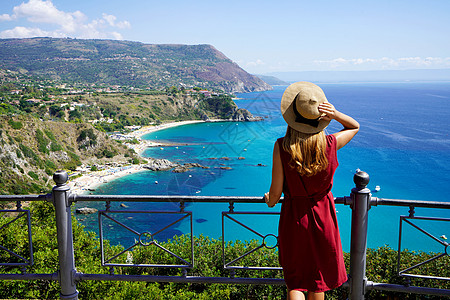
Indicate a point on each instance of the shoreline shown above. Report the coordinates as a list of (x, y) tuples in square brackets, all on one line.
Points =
[(93, 179), (144, 144)]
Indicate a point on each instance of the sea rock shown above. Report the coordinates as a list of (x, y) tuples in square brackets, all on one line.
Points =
[(195, 165), (187, 166), (180, 169), (86, 210), (242, 115), (160, 165)]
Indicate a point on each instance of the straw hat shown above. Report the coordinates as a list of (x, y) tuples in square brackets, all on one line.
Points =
[(299, 106)]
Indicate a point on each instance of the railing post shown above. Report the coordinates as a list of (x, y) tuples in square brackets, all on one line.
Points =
[(358, 245), (64, 233)]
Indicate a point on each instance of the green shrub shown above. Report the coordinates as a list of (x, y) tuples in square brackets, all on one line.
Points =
[(50, 164), (50, 135), (28, 152), (74, 162), (381, 264), (42, 141), (133, 141), (18, 153), (55, 147), (33, 175), (15, 125), (86, 138)]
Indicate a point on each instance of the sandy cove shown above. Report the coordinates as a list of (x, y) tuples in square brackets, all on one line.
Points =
[(144, 144), (92, 179)]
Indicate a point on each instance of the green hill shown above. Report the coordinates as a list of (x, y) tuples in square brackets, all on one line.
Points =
[(127, 63)]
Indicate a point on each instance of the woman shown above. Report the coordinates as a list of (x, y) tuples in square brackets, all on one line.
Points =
[(304, 161)]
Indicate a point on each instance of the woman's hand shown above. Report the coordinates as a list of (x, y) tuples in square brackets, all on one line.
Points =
[(266, 199), (351, 126), (328, 109)]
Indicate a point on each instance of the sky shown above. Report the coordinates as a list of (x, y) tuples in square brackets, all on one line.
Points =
[(261, 36)]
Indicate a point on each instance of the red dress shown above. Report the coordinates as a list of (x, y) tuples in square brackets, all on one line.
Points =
[(309, 243)]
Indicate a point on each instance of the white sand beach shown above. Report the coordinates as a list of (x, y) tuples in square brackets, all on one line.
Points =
[(92, 179), (152, 128), (144, 144)]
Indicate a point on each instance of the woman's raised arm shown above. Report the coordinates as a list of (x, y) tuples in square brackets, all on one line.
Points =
[(351, 126)]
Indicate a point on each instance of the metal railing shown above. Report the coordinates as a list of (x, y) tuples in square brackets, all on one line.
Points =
[(360, 202)]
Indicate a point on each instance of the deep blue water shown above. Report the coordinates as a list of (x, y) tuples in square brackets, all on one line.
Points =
[(403, 145)]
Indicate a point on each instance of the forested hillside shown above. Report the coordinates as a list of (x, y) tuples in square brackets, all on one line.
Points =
[(127, 63)]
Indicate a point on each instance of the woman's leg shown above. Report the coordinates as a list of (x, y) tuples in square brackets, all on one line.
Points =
[(295, 295), (316, 296)]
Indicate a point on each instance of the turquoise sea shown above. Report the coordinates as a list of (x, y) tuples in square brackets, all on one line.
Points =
[(403, 144)]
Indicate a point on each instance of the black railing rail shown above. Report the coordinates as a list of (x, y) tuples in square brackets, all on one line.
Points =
[(360, 201)]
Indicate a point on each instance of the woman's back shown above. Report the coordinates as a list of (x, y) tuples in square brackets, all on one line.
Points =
[(308, 235), (315, 184), (309, 244)]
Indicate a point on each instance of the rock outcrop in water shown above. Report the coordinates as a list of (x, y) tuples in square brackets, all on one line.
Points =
[(164, 164)]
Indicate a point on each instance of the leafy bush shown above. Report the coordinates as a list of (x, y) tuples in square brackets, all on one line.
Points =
[(381, 265), (74, 162), (50, 135), (27, 152), (42, 141), (15, 125), (55, 147), (87, 138), (33, 175), (18, 153)]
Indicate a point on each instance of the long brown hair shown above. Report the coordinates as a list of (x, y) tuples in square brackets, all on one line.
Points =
[(308, 152)]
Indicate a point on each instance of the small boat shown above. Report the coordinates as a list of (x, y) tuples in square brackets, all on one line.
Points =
[(377, 188)]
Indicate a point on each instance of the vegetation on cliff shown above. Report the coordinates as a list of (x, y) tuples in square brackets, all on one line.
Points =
[(31, 150)]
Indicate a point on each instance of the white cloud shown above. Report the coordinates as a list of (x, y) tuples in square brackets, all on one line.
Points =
[(111, 20), (256, 63), (65, 24), (385, 63), (23, 32), (6, 17)]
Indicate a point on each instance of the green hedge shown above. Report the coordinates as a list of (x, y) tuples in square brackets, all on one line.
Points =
[(381, 266)]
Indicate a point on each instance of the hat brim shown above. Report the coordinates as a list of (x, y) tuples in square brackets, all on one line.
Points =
[(287, 110)]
